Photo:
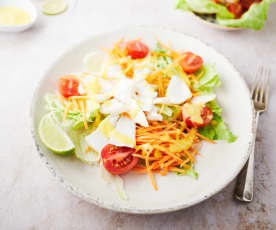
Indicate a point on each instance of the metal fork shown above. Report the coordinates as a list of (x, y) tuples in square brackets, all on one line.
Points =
[(259, 94)]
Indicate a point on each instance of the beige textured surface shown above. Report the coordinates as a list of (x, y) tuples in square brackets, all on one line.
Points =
[(31, 199)]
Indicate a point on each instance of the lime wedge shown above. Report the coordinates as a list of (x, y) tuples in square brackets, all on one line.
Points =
[(53, 7), (53, 136)]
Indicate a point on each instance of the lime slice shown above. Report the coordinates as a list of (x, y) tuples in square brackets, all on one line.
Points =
[(53, 136), (53, 7)]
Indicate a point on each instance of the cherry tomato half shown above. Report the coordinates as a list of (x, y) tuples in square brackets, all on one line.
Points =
[(69, 86), (191, 62), (118, 159), (137, 49), (236, 9), (206, 115)]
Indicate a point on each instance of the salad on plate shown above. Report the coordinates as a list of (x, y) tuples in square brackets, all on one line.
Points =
[(250, 14), (136, 109)]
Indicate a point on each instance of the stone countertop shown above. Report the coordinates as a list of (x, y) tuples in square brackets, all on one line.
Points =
[(29, 196)]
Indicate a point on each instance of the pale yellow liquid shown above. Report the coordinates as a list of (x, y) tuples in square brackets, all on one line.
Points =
[(14, 16)]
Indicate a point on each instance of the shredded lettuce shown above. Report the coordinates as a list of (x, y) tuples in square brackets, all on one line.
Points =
[(254, 18), (217, 129), (81, 146), (208, 81), (190, 172), (115, 180), (74, 119), (162, 61)]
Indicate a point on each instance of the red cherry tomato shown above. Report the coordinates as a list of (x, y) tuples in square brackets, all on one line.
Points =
[(236, 9), (206, 115), (137, 49), (118, 159), (69, 86), (247, 3), (191, 62)]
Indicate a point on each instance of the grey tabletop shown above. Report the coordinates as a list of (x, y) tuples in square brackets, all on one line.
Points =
[(29, 196)]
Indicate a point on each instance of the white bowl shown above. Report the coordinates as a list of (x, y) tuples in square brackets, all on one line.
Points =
[(28, 6), (212, 24), (217, 166)]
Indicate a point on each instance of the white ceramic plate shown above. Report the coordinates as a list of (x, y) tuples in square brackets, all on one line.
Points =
[(217, 165)]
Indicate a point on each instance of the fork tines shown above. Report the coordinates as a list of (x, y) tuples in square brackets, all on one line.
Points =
[(260, 88)]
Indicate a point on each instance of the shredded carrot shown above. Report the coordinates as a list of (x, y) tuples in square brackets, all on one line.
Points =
[(144, 170), (191, 157), (162, 109), (167, 164), (165, 149), (78, 104), (80, 97), (76, 107), (142, 157), (150, 173), (168, 152), (164, 172), (165, 158), (184, 163), (161, 89), (67, 109), (175, 169), (195, 94), (154, 165), (154, 53), (140, 170), (205, 138), (88, 149), (152, 180)]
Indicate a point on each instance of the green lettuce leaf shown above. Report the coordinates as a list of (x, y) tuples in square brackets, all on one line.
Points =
[(216, 109), (190, 172), (254, 18), (204, 7), (208, 81), (217, 129)]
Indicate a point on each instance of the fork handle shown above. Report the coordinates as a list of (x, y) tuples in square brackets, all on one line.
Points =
[(245, 181)]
